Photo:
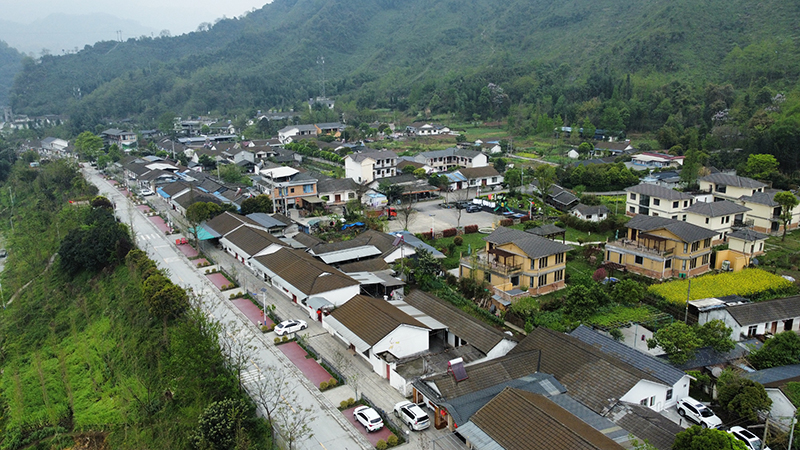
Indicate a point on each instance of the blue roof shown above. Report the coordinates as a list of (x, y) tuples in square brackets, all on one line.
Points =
[(642, 361), (415, 242), (455, 177), (162, 193), (266, 220)]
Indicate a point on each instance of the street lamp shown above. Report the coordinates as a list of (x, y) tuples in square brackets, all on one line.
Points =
[(264, 303), (433, 219)]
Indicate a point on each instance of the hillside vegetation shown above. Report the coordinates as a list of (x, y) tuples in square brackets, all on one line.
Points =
[(92, 358), (420, 55), (10, 65)]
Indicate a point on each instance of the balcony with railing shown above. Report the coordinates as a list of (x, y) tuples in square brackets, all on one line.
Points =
[(654, 245), (496, 262)]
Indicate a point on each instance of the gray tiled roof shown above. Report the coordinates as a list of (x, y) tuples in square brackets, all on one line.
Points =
[(547, 229), (762, 198), (684, 230), (591, 210), (654, 190), (451, 151), (716, 209), (768, 311), (733, 180), (266, 220), (644, 423), (372, 319), (747, 235), (331, 185), (534, 246), (641, 361), (775, 375)]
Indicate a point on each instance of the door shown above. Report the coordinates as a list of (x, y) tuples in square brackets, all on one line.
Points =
[(787, 325), (388, 371), (338, 198), (774, 328)]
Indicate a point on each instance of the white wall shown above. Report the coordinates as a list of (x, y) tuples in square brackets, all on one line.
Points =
[(480, 161), (647, 389), (501, 349), (404, 341), (340, 296), (782, 409), (722, 314)]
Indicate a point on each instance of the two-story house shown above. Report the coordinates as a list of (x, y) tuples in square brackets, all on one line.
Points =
[(658, 247), (656, 160), (516, 263), (654, 200), (719, 217), (724, 186), (366, 166), (120, 137), (765, 212), (451, 158), (292, 132), (477, 177), (289, 187)]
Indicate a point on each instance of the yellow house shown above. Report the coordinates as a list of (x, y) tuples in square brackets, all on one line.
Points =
[(658, 247), (517, 263)]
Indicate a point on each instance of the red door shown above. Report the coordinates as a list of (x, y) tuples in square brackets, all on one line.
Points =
[(388, 371)]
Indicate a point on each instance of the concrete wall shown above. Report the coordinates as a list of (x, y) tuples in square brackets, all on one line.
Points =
[(404, 341), (737, 259), (648, 389)]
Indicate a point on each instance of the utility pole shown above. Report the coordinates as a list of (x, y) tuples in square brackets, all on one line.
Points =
[(688, 296)]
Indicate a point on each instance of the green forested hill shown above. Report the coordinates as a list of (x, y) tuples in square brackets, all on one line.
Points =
[(10, 64), (418, 54)]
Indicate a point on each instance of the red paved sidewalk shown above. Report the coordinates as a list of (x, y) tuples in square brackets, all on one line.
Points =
[(218, 279), (143, 208), (310, 368), (250, 310), (159, 223), (188, 251), (373, 437), (199, 262)]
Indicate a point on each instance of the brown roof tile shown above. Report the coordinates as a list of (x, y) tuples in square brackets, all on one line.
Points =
[(372, 319), (252, 240), (304, 272), (228, 221)]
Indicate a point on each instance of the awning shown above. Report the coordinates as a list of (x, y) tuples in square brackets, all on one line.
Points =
[(202, 234), (313, 199)]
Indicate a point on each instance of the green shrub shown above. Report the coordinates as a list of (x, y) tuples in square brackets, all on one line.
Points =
[(285, 338), (332, 382), (344, 404), (232, 296), (458, 240), (277, 340), (381, 445), (351, 401), (265, 329), (391, 440), (323, 386)]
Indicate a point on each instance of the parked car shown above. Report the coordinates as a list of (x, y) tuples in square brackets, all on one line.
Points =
[(290, 326), (368, 417), (145, 192), (698, 413), (473, 208), (464, 204), (412, 415), (750, 440)]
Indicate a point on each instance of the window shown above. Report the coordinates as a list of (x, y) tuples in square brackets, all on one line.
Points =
[(751, 331), (494, 179), (695, 246), (675, 204), (351, 195), (656, 201), (693, 264), (684, 218), (559, 258), (643, 402), (721, 188), (721, 220), (669, 394), (638, 259), (533, 264), (542, 262), (706, 219), (292, 190), (533, 281), (632, 209), (542, 280), (705, 259), (685, 247), (683, 265), (308, 188), (668, 264), (515, 280), (633, 196), (655, 214), (707, 243), (652, 400), (558, 276), (674, 217), (487, 277)]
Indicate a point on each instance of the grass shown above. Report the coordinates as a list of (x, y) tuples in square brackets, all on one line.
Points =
[(782, 257), (472, 241), (573, 235)]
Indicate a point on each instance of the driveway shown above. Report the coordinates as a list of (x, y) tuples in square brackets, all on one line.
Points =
[(432, 214), (373, 437)]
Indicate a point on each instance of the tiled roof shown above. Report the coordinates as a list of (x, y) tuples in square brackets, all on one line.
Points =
[(480, 335), (252, 240), (635, 358), (266, 220), (654, 190), (331, 185), (768, 311), (227, 222), (381, 241), (546, 230), (684, 230), (775, 376), (372, 319), (733, 180), (747, 235), (546, 425), (304, 272), (644, 423), (592, 377), (716, 209), (534, 246), (762, 198), (188, 199), (367, 265), (174, 188), (479, 172), (374, 154), (451, 151), (591, 210), (308, 240)]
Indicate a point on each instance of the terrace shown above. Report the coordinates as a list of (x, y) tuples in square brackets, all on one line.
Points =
[(490, 261), (646, 243)]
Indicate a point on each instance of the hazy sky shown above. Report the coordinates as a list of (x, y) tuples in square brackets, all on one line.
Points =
[(177, 16)]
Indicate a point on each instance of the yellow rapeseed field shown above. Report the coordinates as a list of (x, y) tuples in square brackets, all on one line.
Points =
[(745, 283)]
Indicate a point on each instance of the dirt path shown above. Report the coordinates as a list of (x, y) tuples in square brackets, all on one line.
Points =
[(19, 291)]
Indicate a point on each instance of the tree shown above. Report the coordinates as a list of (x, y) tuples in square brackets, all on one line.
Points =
[(406, 211), (88, 145), (742, 396), (207, 162), (408, 169), (627, 292), (717, 335), (678, 340), (221, 424), (694, 161), (585, 148), (426, 269), (760, 166), (588, 129), (697, 438), (500, 165), (393, 192), (545, 175), (781, 350), (788, 202), (258, 204), (583, 300), (272, 389), (101, 243), (199, 212), (294, 423), (513, 178), (232, 173)]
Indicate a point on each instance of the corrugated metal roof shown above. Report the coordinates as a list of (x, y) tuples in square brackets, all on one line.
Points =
[(350, 254)]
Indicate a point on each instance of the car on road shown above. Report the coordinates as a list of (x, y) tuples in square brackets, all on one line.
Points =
[(464, 204), (698, 413), (290, 326), (750, 440), (368, 417), (473, 208), (145, 192), (412, 415)]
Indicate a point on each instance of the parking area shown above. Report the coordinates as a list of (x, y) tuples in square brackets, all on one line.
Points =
[(431, 214), (373, 437)]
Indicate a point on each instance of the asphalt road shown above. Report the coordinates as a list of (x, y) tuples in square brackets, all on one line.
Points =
[(331, 430)]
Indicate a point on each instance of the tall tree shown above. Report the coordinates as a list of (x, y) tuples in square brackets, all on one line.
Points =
[(697, 438), (678, 340), (716, 335), (88, 145), (258, 204), (545, 175), (788, 202), (760, 166), (781, 350), (393, 192), (742, 396)]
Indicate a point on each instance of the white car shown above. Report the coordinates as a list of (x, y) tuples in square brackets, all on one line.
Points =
[(368, 417), (698, 413), (412, 415), (750, 440), (290, 326), (145, 192)]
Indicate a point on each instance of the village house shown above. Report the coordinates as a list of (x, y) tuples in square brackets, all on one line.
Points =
[(588, 213), (765, 212), (720, 217), (655, 200), (725, 186), (366, 166), (661, 248), (451, 158), (747, 320)]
